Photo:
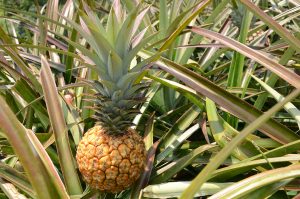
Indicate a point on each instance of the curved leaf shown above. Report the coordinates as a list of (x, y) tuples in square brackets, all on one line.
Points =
[(248, 185), (60, 129), (231, 103), (174, 189), (278, 69), (284, 33), (205, 174), (17, 136)]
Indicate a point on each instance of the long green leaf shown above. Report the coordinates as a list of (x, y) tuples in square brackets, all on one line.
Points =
[(199, 8), (267, 191), (174, 189), (248, 185), (225, 99), (175, 142), (288, 54), (223, 133), (29, 95), (189, 93), (178, 165), (242, 167), (34, 167), (163, 18), (15, 177), (179, 127), (14, 54), (57, 182), (70, 59), (60, 130), (212, 19), (284, 33), (280, 70), (237, 64), (235, 74), (289, 107), (225, 152)]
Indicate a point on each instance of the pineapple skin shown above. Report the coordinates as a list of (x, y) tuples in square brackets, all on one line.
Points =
[(111, 163)]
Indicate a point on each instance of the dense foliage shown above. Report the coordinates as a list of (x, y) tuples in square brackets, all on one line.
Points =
[(216, 85)]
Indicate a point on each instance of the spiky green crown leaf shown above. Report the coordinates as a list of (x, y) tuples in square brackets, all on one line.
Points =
[(115, 43)]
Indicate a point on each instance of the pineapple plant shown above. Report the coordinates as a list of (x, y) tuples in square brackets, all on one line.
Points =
[(111, 42), (111, 155)]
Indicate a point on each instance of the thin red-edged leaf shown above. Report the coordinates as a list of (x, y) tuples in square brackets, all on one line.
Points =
[(284, 33), (60, 129), (47, 162), (52, 12), (138, 21), (118, 9), (67, 9), (278, 69), (144, 178), (31, 162), (198, 8), (230, 102), (203, 124)]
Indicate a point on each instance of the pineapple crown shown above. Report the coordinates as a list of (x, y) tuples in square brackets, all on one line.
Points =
[(114, 45)]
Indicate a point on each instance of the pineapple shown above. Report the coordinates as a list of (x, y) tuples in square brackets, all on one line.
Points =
[(110, 162), (111, 155)]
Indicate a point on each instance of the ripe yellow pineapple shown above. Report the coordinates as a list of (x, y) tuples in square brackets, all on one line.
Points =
[(111, 155), (110, 162)]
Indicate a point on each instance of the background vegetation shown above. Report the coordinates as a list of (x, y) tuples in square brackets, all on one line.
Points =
[(221, 119)]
